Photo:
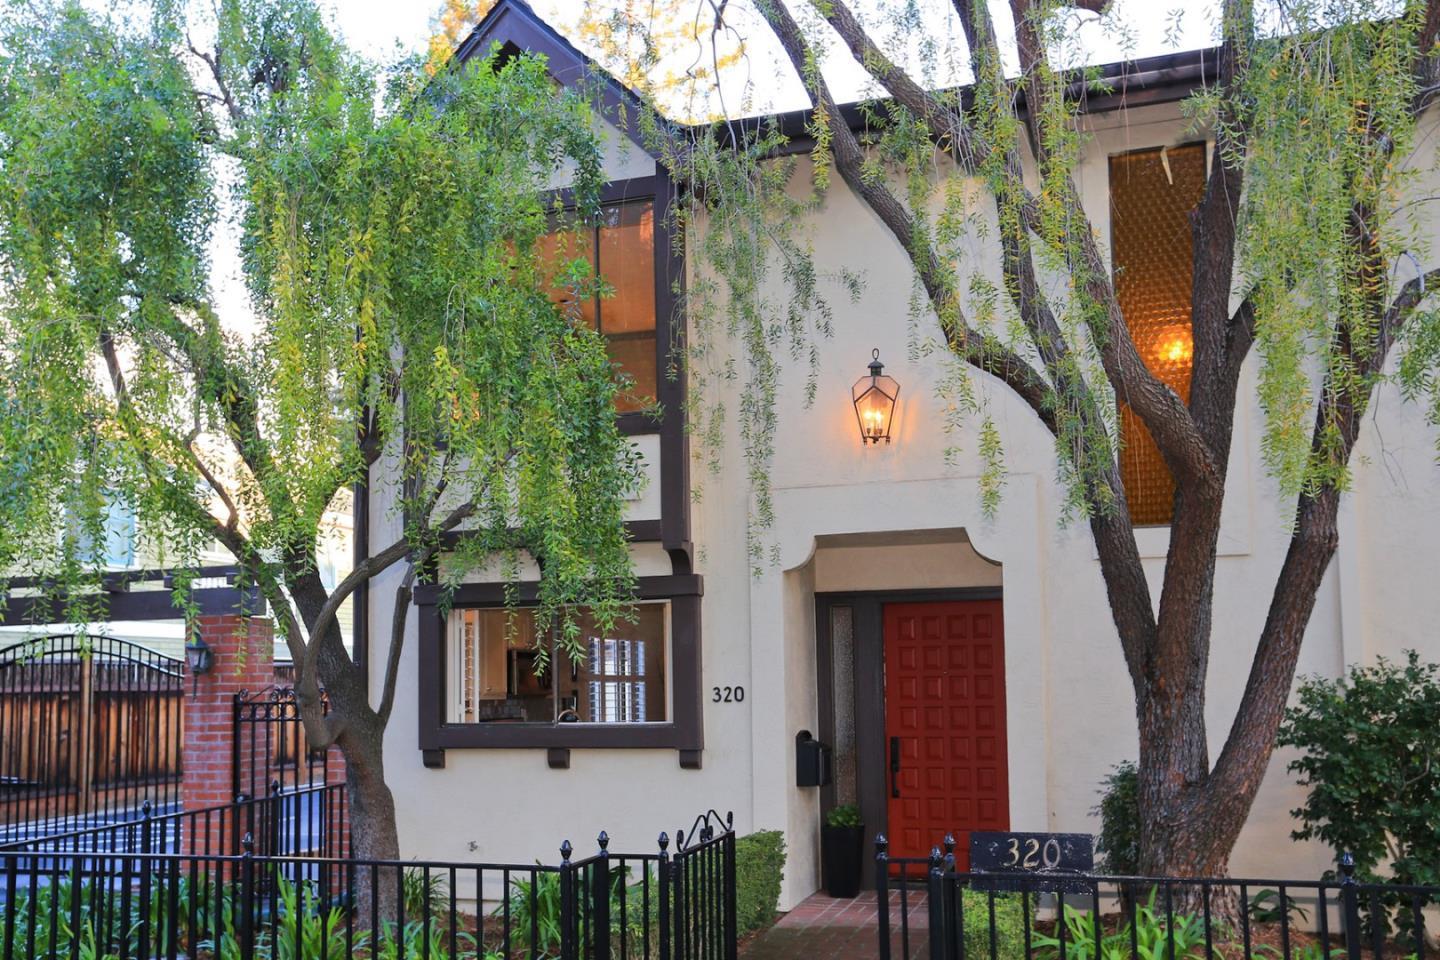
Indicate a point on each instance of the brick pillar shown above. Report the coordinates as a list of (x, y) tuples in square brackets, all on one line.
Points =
[(337, 807), (242, 649)]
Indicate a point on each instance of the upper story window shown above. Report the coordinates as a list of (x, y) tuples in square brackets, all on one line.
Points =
[(1152, 193), (620, 677), (621, 248)]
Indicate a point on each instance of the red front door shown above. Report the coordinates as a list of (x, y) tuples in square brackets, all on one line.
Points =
[(945, 724)]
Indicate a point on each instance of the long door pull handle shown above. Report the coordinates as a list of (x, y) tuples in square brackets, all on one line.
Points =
[(894, 766)]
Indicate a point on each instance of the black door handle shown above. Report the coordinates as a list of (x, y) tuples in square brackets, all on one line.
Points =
[(894, 766)]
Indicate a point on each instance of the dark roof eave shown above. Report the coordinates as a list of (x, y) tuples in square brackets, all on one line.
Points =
[(1161, 79)]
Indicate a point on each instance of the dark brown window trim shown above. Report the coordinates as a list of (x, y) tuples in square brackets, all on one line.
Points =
[(684, 733), (672, 530)]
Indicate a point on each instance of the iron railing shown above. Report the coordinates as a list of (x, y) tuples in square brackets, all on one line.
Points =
[(307, 822), (91, 729), (929, 909), (269, 746), (661, 905)]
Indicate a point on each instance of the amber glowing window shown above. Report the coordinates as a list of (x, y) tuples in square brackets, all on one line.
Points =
[(622, 248), (1151, 195)]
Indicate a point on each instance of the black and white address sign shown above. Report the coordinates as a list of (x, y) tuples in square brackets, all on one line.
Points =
[(1051, 857)]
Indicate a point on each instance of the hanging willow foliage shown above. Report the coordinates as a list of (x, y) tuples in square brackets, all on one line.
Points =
[(398, 318)]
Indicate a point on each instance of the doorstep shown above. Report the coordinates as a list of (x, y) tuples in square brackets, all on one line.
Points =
[(823, 928)]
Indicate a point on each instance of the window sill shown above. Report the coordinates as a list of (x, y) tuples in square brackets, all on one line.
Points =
[(460, 736), (1153, 542)]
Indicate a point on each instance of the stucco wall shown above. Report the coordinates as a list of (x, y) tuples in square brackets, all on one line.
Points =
[(1070, 713)]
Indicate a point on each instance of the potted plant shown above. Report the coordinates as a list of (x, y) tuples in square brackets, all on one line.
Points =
[(842, 840)]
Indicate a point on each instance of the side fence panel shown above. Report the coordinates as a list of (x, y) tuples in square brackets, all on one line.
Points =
[(125, 895), (928, 909)]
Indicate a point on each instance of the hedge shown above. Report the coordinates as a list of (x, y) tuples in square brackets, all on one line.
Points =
[(759, 865)]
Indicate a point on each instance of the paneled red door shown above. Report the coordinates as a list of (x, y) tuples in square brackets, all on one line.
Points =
[(945, 724)]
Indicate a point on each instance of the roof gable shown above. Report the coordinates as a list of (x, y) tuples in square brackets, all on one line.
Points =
[(512, 23)]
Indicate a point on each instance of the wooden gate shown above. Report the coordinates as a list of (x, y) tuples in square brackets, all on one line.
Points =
[(90, 729)]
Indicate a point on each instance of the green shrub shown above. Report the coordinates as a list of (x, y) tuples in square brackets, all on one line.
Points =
[(1370, 759), (845, 815), (759, 865), (1009, 925), (1119, 810)]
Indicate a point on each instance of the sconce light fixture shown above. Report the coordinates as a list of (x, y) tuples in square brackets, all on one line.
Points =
[(874, 397), (199, 658)]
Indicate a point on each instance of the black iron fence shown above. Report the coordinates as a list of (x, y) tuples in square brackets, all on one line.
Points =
[(666, 904), (307, 822), (91, 729), (929, 910)]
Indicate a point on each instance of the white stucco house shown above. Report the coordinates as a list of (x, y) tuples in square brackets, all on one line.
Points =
[(700, 704)]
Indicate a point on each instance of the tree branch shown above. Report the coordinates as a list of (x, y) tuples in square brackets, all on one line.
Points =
[(232, 393), (1165, 415), (369, 568), (400, 614), (971, 345), (213, 62), (1427, 62), (1252, 732), (945, 122), (1213, 230), (1124, 574)]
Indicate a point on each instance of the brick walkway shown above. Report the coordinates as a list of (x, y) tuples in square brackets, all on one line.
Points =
[(826, 929)]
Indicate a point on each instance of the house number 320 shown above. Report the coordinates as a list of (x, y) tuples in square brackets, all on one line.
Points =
[(728, 695)]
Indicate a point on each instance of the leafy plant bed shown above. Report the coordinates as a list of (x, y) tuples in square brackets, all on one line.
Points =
[(1268, 940)]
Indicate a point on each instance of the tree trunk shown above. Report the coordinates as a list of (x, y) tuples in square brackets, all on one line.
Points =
[(373, 833)]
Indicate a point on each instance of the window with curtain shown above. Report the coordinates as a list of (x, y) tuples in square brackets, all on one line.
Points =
[(621, 248), (1151, 195), (494, 675)]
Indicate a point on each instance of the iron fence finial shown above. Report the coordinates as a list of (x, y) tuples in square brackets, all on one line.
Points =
[(604, 840)]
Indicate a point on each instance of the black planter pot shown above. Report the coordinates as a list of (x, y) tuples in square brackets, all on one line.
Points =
[(841, 855)]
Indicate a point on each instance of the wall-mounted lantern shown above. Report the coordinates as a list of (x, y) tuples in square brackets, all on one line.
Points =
[(874, 398), (199, 658)]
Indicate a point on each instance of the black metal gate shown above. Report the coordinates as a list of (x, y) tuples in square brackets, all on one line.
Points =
[(270, 750), (272, 761), (91, 729)]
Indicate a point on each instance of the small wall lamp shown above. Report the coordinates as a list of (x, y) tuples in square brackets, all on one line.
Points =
[(874, 397), (199, 658)]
